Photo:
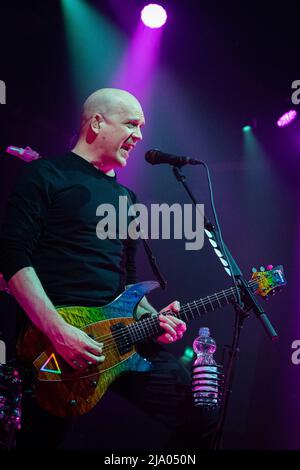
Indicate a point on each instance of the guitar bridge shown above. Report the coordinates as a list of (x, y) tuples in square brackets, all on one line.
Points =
[(121, 337)]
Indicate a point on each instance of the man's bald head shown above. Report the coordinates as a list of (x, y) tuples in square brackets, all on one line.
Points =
[(107, 101), (111, 125)]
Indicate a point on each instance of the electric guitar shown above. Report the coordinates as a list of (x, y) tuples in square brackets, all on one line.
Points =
[(64, 391)]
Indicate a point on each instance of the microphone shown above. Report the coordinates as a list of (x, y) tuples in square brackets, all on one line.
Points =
[(26, 154), (156, 157)]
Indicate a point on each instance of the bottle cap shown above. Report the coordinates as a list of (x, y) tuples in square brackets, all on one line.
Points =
[(204, 331)]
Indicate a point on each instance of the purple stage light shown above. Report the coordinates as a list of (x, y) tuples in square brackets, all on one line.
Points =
[(153, 15), (287, 118)]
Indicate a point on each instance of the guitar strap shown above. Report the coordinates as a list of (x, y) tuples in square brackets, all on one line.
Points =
[(150, 255)]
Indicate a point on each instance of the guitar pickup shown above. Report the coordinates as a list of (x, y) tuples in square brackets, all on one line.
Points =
[(121, 337)]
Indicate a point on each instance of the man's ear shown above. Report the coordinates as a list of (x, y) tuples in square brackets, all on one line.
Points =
[(96, 121)]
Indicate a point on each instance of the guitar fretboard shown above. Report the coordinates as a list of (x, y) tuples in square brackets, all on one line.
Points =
[(150, 327)]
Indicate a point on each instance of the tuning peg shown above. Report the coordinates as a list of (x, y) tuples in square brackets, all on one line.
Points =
[(254, 270), (270, 267), (262, 268)]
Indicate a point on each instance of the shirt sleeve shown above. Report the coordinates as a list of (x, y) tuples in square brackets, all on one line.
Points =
[(26, 214)]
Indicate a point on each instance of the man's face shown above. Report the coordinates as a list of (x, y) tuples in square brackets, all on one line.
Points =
[(119, 132)]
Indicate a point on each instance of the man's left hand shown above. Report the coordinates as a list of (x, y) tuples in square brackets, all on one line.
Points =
[(173, 326)]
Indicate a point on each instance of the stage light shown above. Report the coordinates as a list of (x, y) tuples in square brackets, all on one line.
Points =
[(249, 124), (287, 118), (187, 356), (153, 15)]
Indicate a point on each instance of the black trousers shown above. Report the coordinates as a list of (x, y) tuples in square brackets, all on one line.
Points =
[(164, 393)]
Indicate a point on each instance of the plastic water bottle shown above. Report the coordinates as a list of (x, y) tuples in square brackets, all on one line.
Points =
[(204, 346), (205, 370)]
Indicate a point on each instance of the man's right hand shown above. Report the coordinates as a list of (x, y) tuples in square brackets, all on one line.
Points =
[(76, 347)]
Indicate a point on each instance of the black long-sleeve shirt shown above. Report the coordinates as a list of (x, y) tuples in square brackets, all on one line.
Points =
[(51, 225)]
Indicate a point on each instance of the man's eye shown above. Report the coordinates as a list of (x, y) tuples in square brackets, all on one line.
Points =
[(131, 124)]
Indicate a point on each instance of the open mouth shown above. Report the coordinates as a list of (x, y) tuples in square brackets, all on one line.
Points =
[(127, 148)]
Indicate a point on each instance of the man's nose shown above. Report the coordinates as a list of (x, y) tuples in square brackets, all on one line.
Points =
[(137, 134)]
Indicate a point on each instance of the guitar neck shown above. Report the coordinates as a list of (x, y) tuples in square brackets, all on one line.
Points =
[(149, 327)]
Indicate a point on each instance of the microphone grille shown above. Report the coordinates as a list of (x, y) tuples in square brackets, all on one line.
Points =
[(151, 156)]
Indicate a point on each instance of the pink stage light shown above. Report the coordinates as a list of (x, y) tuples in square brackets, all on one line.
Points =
[(153, 15), (287, 118)]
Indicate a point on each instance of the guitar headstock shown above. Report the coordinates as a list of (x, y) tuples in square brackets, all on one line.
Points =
[(26, 154), (268, 281)]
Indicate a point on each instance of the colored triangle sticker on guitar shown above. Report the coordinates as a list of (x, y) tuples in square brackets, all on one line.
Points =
[(51, 362)]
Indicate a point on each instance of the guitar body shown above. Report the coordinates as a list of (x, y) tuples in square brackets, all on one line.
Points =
[(64, 391)]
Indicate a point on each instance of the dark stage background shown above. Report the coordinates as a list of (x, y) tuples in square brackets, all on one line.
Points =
[(216, 66)]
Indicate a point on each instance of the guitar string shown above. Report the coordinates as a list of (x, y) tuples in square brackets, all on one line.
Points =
[(153, 324), (111, 344), (139, 325)]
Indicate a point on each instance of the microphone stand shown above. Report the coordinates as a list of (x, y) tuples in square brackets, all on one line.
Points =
[(241, 312)]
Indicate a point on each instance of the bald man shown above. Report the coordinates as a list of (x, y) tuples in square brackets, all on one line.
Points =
[(52, 256), (110, 128)]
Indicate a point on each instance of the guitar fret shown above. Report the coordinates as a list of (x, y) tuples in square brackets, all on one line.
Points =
[(189, 306), (203, 305), (211, 302), (138, 331), (233, 293), (153, 325), (225, 296), (150, 327), (131, 334), (183, 313), (199, 313), (218, 300), (145, 329), (152, 322)]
